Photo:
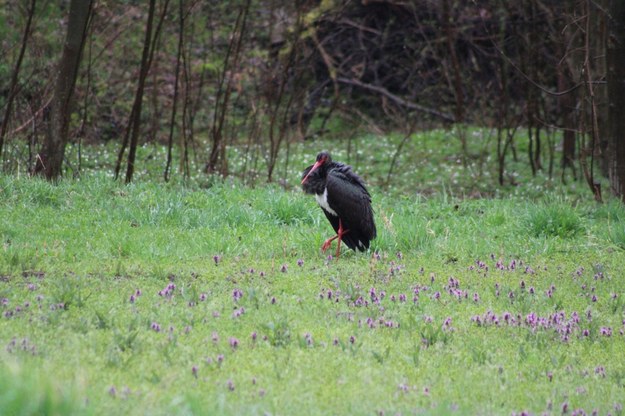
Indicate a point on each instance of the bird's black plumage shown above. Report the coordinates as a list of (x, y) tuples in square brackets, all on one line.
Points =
[(344, 199)]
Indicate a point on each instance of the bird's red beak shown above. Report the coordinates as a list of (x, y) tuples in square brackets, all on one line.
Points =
[(315, 166)]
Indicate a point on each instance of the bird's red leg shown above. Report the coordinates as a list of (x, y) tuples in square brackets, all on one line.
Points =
[(340, 234)]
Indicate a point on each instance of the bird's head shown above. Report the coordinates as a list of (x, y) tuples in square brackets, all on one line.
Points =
[(323, 159)]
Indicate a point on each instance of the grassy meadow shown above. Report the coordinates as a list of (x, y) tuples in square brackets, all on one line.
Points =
[(212, 297)]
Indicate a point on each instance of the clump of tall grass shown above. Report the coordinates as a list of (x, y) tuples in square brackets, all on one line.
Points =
[(554, 219), (28, 393)]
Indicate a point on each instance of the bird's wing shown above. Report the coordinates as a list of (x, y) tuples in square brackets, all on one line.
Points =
[(350, 199)]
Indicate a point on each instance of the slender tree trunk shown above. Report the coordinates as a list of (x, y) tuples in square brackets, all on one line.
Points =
[(450, 38), (170, 141), (224, 93), (615, 59), (132, 132), (589, 171), (14, 77), (134, 123), (49, 161), (566, 107)]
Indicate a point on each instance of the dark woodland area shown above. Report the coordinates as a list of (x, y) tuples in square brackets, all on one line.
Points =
[(205, 77)]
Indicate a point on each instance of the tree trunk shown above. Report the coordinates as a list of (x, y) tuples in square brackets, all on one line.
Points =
[(566, 108), (134, 122), (224, 93), (50, 159), (174, 105), (14, 77), (615, 60)]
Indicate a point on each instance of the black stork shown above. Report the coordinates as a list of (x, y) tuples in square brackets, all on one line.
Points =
[(345, 201)]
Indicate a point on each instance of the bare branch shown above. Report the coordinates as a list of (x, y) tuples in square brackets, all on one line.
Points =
[(396, 99)]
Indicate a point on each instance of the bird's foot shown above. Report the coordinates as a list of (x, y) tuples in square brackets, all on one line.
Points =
[(326, 245)]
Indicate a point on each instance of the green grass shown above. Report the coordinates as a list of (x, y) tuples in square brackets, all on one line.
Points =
[(260, 322)]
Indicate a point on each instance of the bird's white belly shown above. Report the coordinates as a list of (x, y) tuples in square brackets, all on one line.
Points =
[(322, 200)]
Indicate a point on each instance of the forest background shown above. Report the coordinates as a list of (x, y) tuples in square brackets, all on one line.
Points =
[(227, 87)]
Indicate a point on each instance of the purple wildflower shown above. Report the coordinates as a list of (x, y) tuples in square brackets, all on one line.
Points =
[(284, 268), (606, 331), (216, 259), (300, 262), (234, 343), (168, 292)]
